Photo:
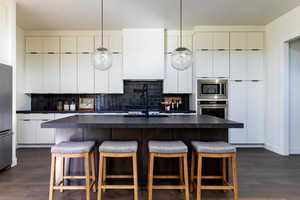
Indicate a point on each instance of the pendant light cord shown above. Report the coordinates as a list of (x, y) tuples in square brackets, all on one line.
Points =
[(102, 23), (180, 23)]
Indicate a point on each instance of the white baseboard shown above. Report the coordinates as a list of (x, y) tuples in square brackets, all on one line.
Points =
[(274, 149), (34, 146), (249, 145), (295, 151)]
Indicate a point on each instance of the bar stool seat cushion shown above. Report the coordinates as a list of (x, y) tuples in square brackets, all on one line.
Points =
[(167, 147), (119, 147), (73, 147), (213, 147)]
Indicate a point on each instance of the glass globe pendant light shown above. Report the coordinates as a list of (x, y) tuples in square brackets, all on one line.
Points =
[(102, 58), (182, 57)]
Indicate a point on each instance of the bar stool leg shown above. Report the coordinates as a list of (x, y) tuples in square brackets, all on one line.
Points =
[(87, 176), (181, 172), (192, 172), (62, 172), (199, 177), (150, 176), (186, 177), (52, 176), (104, 172), (93, 171), (234, 176), (100, 179), (135, 176), (224, 171)]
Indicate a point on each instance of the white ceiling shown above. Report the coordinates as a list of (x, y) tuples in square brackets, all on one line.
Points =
[(85, 14)]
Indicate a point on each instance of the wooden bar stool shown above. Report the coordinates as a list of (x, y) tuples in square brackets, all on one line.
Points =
[(220, 150), (117, 149), (168, 149), (73, 150)]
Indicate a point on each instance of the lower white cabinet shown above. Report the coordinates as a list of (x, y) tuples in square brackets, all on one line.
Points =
[(246, 105), (177, 82), (29, 129)]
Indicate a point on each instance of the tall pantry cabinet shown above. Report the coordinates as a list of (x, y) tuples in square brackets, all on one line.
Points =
[(246, 87)]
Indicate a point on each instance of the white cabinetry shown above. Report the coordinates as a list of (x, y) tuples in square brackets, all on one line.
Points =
[(177, 82), (68, 73), (34, 73), (68, 44), (85, 44), (212, 54), (29, 129), (85, 74), (51, 73), (246, 105)]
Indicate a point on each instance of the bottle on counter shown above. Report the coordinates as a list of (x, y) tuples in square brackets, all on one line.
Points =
[(59, 106), (66, 106), (72, 106)]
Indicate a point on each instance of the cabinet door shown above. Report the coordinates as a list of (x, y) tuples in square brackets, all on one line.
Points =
[(255, 122), (68, 44), (238, 65), (85, 44), (172, 43), (68, 73), (51, 73), (238, 41), (238, 110), (106, 42), (255, 40), (187, 42), (221, 41), (44, 135), (86, 76), (221, 64), (115, 75), (34, 73), (51, 45), (185, 81), (204, 41), (27, 132), (101, 81), (171, 78), (255, 65), (204, 63), (34, 45), (115, 43)]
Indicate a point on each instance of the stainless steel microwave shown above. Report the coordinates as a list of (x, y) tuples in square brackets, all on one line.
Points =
[(212, 89)]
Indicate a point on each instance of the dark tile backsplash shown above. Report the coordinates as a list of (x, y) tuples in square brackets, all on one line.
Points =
[(132, 98)]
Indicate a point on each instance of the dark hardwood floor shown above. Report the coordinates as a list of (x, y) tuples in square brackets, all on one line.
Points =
[(263, 175)]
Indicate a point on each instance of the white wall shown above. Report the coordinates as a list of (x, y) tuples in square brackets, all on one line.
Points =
[(8, 51), (22, 100), (278, 32), (294, 97)]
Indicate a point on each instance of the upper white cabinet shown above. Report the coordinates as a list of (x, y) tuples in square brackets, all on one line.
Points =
[(86, 72), (42, 45), (255, 40), (34, 73), (177, 82), (34, 45), (143, 54), (203, 60), (85, 44), (51, 73), (238, 65), (112, 41), (238, 40), (255, 65), (115, 75), (51, 45), (68, 44), (221, 41), (68, 73), (203, 41), (110, 81), (221, 64)]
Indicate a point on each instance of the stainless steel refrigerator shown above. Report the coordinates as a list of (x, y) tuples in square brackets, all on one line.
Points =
[(5, 116)]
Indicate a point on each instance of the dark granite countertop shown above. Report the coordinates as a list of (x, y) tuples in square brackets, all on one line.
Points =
[(184, 121), (83, 111)]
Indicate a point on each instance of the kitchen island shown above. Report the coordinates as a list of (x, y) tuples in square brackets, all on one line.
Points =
[(141, 129)]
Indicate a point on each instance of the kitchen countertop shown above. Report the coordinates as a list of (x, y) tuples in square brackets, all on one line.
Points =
[(83, 111), (184, 121)]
